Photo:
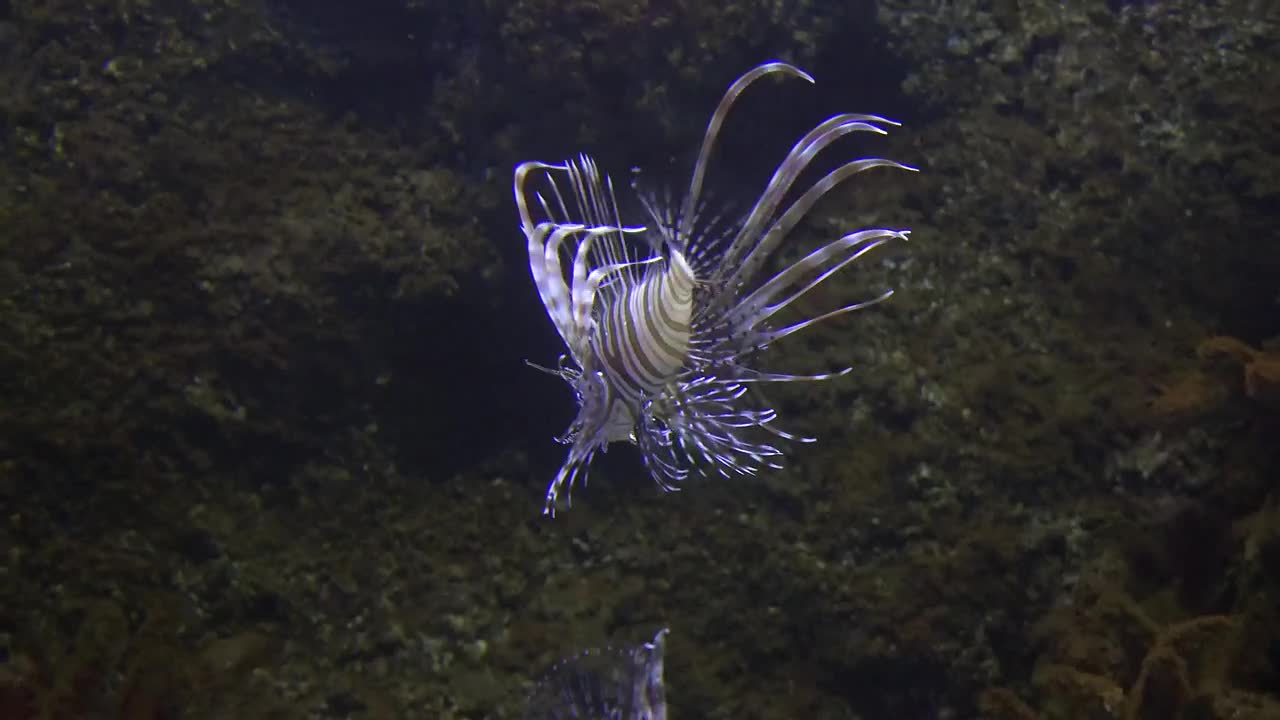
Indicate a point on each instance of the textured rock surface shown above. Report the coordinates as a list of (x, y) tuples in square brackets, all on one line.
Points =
[(267, 448)]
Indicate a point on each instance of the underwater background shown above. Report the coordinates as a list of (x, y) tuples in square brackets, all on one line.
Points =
[(269, 448)]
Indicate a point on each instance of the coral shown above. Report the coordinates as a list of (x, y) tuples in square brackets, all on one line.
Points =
[(1260, 368), (1130, 647), (1179, 671), (1188, 394), (1004, 704), (1229, 368), (1169, 681)]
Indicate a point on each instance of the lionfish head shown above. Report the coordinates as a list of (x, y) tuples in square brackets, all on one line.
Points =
[(665, 322)]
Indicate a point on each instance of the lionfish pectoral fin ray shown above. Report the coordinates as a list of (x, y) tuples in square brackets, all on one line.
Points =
[(798, 209), (769, 310), (747, 239), (793, 214), (760, 305), (771, 336), (690, 205), (766, 377), (790, 436), (785, 174)]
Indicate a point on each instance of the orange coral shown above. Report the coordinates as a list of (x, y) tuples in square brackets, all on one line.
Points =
[(1262, 380), (1223, 346), (1170, 676), (1261, 368), (1003, 703), (1175, 673), (1193, 393)]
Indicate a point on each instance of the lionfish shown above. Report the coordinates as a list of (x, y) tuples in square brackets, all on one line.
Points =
[(608, 684), (664, 322)]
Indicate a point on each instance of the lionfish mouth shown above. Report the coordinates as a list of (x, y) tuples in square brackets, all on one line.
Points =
[(665, 322)]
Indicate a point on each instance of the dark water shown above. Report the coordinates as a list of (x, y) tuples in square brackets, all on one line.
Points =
[(268, 446)]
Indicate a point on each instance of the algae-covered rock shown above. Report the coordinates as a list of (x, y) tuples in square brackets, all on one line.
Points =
[(181, 206)]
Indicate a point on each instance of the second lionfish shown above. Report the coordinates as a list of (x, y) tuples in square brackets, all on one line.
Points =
[(612, 683), (665, 322)]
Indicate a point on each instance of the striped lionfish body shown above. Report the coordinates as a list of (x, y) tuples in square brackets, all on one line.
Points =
[(663, 321)]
